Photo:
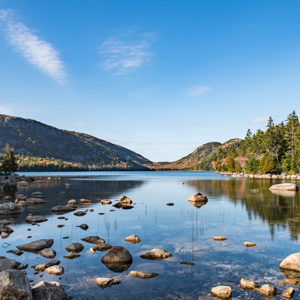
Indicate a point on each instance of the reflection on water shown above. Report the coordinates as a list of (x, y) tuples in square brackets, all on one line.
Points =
[(240, 209)]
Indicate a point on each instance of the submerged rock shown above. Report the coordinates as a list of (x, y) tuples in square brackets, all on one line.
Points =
[(35, 219), (291, 263), (75, 247), (36, 245), (62, 208), (6, 263), (132, 239), (72, 255), (222, 291), (93, 239), (156, 254), (186, 263), (102, 247), (248, 284), (79, 213), (267, 290), (14, 285), (105, 282), (284, 187), (55, 270), (143, 275), (46, 264), (48, 253), (46, 290)]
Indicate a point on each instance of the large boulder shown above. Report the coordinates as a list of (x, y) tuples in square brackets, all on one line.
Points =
[(36, 245), (6, 263), (284, 187), (9, 208), (48, 291), (14, 285), (198, 197), (222, 291), (125, 200), (118, 259), (291, 263)]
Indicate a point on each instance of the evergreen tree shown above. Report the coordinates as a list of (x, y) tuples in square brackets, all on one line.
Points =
[(8, 162)]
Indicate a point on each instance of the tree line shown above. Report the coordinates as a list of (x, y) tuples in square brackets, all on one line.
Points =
[(8, 161), (275, 150)]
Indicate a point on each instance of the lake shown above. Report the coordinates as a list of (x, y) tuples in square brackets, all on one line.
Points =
[(272, 221)]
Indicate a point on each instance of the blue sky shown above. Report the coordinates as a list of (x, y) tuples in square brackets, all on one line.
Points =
[(157, 77)]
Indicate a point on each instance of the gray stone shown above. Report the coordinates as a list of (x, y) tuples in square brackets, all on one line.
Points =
[(55, 270), (36, 245), (14, 285), (105, 282), (6, 263), (72, 255), (156, 254), (46, 264), (284, 187), (198, 197), (248, 284), (48, 253), (223, 292), (267, 290), (94, 239), (143, 275), (62, 208), (46, 290), (35, 219), (9, 208), (291, 263), (75, 247), (117, 255)]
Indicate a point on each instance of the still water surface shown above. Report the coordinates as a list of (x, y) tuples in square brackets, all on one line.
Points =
[(271, 221)]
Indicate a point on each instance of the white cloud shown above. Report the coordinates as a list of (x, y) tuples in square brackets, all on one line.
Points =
[(260, 120), (199, 90), (5, 110), (121, 56), (38, 52)]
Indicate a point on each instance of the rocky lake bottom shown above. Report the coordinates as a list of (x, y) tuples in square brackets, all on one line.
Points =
[(240, 209)]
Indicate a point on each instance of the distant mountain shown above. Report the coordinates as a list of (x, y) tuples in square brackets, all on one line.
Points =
[(32, 139), (190, 161)]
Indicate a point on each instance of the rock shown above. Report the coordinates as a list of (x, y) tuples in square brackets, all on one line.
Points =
[(48, 253), (249, 244), (83, 226), (132, 239), (37, 194), (75, 247), (117, 255), (6, 229), (94, 239), (9, 208), (4, 235), (105, 282), (15, 252), (248, 284), (223, 292), (143, 275), (85, 201), (31, 201), (105, 202), (198, 197), (46, 264), (6, 263), (288, 293), (36, 245), (46, 290), (267, 290), (14, 285), (254, 191), (35, 219), (72, 255), (55, 270), (291, 263), (20, 197), (186, 263), (62, 208), (219, 238), (170, 204), (102, 247), (92, 251), (156, 254), (79, 213), (60, 225), (72, 202), (284, 187), (125, 200), (5, 222)]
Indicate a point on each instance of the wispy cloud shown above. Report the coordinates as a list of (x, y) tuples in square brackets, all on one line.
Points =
[(199, 90), (120, 55), (260, 119), (5, 110), (36, 51)]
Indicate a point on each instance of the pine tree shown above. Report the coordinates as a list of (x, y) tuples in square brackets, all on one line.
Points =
[(8, 162)]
